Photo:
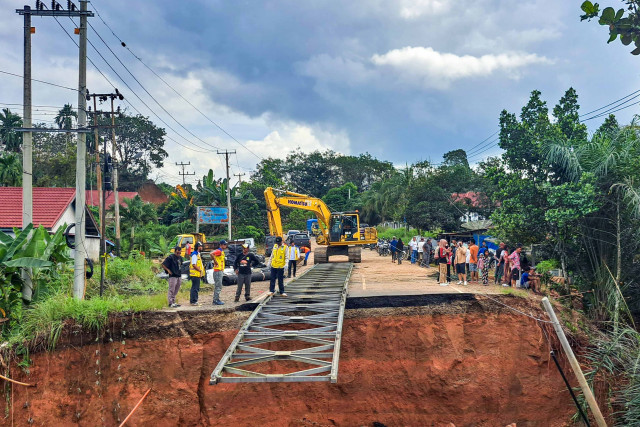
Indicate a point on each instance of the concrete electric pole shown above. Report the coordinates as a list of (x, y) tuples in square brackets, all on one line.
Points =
[(226, 156), (81, 153), (55, 11)]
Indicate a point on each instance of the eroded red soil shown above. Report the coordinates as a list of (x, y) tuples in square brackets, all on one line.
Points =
[(472, 369)]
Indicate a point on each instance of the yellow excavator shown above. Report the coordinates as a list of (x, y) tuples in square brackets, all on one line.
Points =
[(340, 232)]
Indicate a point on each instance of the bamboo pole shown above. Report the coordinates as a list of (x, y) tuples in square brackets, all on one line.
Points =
[(588, 394)]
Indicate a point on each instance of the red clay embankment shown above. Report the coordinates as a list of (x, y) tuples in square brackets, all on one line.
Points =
[(471, 364)]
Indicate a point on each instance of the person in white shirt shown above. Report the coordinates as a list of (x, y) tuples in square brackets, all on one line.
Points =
[(292, 256), (421, 249), (413, 247)]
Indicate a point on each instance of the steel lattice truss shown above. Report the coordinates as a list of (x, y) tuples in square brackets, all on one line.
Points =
[(310, 317)]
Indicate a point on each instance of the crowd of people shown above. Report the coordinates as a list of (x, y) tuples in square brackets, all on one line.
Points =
[(467, 262), (282, 256)]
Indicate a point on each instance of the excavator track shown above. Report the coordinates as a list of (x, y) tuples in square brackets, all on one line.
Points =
[(311, 316), (355, 254), (320, 255)]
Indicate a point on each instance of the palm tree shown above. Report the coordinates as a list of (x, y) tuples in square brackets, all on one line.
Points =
[(10, 138), (10, 170), (136, 213), (612, 159), (65, 117)]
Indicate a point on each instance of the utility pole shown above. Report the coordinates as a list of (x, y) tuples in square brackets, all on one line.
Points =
[(183, 173), (103, 185), (239, 175), (226, 156), (27, 144), (83, 14), (116, 201), (81, 153), (98, 168)]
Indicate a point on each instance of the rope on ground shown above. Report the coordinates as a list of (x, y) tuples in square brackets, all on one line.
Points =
[(16, 382), (134, 408)]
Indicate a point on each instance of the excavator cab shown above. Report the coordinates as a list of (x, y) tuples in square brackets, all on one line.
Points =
[(344, 227)]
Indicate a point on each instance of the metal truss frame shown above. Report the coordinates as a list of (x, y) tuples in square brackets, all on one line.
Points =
[(319, 296)]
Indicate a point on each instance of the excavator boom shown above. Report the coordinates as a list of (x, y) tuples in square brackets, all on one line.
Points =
[(339, 231)]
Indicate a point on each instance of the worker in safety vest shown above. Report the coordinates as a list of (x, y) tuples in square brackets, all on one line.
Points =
[(277, 263), (196, 272), (306, 251), (218, 271), (293, 254)]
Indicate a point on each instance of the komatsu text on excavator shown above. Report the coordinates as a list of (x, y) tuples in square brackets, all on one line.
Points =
[(340, 232)]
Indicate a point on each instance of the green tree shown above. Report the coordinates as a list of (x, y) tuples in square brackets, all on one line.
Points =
[(137, 213), (10, 170), (343, 198), (66, 117), (11, 139), (140, 148), (625, 22)]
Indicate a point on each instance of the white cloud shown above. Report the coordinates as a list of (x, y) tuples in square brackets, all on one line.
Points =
[(413, 9), (287, 137), (431, 68)]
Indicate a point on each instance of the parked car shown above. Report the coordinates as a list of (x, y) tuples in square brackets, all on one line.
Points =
[(269, 242), (302, 239), (292, 233)]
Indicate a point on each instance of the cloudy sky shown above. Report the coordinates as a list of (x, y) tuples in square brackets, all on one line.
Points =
[(401, 79)]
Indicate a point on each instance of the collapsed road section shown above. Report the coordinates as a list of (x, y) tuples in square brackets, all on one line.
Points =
[(307, 323)]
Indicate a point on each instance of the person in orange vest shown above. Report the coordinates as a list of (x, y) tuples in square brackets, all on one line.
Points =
[(306, 251), (218, 271)]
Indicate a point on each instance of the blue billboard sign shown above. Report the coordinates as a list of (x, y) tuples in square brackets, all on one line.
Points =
[(213, 215)]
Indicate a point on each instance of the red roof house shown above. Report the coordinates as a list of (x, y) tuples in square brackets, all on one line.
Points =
[(52, 208), (93, 199)]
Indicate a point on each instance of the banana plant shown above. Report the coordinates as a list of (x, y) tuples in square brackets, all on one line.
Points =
[(32, 253)]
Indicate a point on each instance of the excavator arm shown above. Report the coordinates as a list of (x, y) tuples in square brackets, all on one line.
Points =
[(294, 200)]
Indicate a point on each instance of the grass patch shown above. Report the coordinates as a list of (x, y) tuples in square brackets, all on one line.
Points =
[(135, 275), (45, 319), (515, 292)]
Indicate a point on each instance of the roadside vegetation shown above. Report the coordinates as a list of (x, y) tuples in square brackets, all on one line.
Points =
[(574, 195)]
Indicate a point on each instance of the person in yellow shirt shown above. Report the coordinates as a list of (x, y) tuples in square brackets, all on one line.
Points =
[(277, 263), (196, 273), (218, 258)]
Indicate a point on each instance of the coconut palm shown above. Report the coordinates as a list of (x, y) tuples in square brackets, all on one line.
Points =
[(65, 117), (8, 136), (10, 170), (137, 213)]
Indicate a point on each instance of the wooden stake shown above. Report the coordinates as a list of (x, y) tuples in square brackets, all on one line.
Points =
[(134, 408), (595, 410)]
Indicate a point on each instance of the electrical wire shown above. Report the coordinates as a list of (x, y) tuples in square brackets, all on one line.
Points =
[(39, 81), (126, 101), (171, 87)]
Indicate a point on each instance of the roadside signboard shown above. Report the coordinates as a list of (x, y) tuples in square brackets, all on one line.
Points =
[(213, 215)]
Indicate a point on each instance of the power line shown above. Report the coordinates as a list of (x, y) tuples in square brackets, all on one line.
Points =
[(147, 92), (171, 87), (611, 103), (126, 101), (40, 81)]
